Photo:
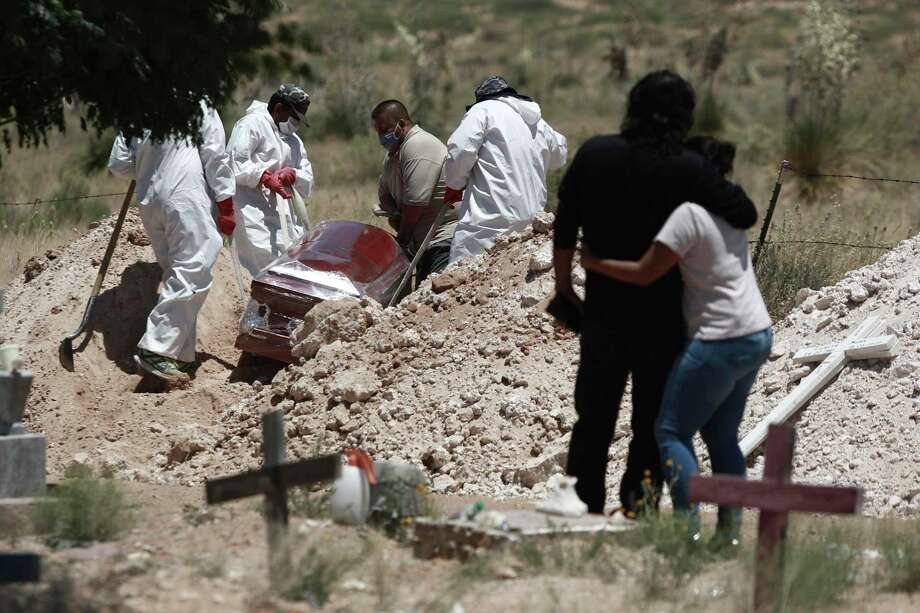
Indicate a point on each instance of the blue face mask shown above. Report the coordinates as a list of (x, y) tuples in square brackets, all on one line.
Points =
[(389, 140)]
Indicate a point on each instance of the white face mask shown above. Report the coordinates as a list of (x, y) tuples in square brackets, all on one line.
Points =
[(289, 127)]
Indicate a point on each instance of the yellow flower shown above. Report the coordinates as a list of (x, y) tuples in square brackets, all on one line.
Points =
[(669, 462)]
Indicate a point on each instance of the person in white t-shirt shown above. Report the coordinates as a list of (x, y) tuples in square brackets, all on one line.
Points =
[(730, 336)]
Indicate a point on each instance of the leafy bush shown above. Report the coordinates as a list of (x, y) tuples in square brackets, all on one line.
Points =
[(318, 573), (899, 543), (826, 56), (710, 114), (670, 547), (818, 571), (83, 508), (57, 592)]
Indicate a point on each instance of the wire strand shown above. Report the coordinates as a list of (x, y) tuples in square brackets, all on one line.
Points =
[(39, 201), (827, 243), (845, 176)]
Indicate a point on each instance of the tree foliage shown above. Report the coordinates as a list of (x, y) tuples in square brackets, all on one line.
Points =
[(131, 64)]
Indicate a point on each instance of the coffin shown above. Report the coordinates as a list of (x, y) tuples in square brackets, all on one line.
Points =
[(334, 260)]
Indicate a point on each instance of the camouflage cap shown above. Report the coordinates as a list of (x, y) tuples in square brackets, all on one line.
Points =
[(491, 87), (296, 99)]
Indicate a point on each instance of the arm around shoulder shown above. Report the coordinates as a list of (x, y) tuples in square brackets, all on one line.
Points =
[(721, 197)]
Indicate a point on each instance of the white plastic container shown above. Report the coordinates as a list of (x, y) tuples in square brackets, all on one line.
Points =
[(351, 496)]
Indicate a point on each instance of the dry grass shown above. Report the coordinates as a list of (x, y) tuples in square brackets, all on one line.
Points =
[(556, 52)]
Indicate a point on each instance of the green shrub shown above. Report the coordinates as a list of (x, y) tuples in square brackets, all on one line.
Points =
[(710, 114), (56, 593), (670, 547), (817, 571), (899, 544), (84, 508), (317, 575), (785, 268), (304, 503)]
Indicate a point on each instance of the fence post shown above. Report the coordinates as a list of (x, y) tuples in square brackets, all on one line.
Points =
[(765, 228)]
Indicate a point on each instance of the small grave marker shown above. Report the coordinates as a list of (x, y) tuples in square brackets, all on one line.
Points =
[(862, 344), (776, 497), (272, 482)]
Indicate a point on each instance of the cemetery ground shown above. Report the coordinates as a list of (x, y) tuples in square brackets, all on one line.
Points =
[(171, 552), (179, 555)]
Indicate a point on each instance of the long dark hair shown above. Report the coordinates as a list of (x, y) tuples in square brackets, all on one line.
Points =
[(659, 113)]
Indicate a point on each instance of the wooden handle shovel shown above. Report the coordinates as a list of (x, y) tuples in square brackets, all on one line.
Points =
[(65, 349)]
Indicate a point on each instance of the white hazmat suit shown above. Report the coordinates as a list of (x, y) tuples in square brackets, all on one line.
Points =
[(175, 184), (499, 154), (256, 145)]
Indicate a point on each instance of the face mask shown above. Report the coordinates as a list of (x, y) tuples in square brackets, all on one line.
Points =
[(289, 127), (389, 140)]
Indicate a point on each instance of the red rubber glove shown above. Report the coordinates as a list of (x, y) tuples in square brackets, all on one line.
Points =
[(272, 182), (452, 195), (287, 175), (226, 218)]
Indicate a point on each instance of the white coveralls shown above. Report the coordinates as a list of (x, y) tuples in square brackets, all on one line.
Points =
[(175, 184), (256, 145), (499, 153)]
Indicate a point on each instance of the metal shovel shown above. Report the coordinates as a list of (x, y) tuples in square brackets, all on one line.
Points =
[(418, 255), (65, 349), (235, 256)]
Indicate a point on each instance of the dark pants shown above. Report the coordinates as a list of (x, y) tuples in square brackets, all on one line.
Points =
[(608, 355), (433, 260)]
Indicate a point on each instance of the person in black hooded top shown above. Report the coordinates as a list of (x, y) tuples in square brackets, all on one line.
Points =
[(619, 191)]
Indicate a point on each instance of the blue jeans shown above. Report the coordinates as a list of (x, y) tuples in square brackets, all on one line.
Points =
[(706, 393)]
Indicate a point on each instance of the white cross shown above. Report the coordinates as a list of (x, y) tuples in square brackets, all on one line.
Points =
[(863, 344)]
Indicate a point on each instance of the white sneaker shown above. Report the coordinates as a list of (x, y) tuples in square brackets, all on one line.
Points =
[(562, 499)]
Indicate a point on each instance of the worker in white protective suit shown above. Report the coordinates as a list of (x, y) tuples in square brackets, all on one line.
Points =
[(177, 183), (268, 159), (498, 156)]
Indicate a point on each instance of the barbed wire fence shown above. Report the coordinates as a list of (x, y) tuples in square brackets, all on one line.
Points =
[(786, 166), (39, 201)]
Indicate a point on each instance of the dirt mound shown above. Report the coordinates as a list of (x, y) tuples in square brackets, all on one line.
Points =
[(469, 378), (104, 410), (864, 428)]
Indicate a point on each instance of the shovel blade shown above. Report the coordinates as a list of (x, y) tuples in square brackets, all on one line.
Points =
[(65, 354)]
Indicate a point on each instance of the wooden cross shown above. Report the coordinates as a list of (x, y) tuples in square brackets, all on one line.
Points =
[(20, 567), (862, 344), (775, 496), (272, 481)]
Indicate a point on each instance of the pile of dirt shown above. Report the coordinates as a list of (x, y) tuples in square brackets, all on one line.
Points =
[(468, 377), (105, 414), (864, 428)]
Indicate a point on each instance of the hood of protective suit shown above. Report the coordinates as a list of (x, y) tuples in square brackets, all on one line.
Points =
[(527, 109), (257, 107)]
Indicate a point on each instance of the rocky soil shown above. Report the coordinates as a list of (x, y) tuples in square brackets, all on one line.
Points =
[(468, 377)]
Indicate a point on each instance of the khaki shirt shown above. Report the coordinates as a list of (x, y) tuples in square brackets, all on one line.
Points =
[(409, 177)]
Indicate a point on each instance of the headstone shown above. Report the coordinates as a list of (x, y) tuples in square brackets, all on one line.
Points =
[(22, 455), (460, 538)]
